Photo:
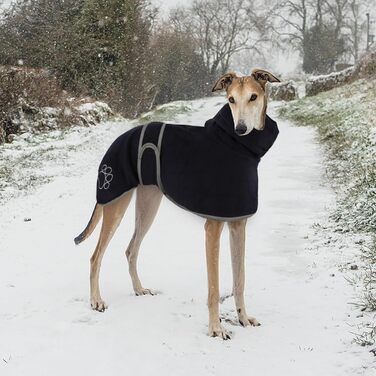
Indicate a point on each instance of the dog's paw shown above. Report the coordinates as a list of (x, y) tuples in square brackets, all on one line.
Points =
[(248, 320), (143, 291), (98, 305), (218, 331)]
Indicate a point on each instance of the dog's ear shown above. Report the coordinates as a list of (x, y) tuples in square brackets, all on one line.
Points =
[(263, 76), (224, 82)]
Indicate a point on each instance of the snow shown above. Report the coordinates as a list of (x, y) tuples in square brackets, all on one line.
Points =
[(294, 287), (334, 75), (94, 106), (94, 112)]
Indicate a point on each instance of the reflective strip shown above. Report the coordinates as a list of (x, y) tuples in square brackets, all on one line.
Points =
[(139, 153), (157, 152)]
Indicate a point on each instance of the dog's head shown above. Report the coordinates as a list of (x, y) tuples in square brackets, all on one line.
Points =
[(247, 98)]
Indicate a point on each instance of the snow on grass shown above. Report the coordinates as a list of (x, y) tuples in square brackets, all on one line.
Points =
[(346, 122), (180, 111), (33, 159), (295, 286)]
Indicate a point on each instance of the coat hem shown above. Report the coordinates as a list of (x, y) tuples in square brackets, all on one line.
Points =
[(207, 216)]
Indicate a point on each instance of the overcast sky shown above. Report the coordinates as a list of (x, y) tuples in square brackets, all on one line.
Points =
[(166, 4), (4, 3)]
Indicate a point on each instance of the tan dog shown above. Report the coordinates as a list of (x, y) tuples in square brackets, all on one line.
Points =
[(248, 102)]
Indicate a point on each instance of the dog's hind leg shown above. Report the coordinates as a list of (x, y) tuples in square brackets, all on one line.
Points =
[(213, 231), (237, 245), (112, 216), (147, 204)]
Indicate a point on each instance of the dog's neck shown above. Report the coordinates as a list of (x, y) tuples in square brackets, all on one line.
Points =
[(255, 143)]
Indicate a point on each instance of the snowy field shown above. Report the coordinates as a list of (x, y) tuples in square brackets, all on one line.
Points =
[(294, 287)]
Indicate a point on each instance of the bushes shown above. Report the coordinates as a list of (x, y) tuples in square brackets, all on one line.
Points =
[(31, 100), (113, 38), (321, 49), (367, 63), (177, 71), (37, 32), (25, 89), (103, 48)]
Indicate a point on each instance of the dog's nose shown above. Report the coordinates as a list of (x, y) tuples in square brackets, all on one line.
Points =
[(240, 129)]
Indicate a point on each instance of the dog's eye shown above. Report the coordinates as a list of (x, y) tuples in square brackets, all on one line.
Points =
[(253, 97), (231, 100)]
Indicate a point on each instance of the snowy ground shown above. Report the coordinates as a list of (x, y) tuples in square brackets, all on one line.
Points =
[(294, 287)]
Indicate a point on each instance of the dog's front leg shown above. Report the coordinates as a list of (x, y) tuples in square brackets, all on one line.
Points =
[(213, 231), (237, 244)]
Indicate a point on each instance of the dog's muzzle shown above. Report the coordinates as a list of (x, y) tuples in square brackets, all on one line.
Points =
[(240, 129)]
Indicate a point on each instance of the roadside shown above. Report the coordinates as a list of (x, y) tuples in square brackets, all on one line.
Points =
[(345, 122)]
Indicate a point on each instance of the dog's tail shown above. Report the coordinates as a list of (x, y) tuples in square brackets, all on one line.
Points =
[(95, 217)]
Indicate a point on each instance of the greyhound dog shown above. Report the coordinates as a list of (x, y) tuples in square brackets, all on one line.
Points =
[(246, 111)]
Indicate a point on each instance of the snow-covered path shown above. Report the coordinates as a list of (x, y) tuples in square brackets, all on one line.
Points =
[(299, 295)]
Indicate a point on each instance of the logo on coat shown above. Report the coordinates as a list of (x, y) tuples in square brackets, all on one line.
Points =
[(105, 177)]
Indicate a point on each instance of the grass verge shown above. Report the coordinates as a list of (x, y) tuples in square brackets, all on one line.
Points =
[(345, 119)]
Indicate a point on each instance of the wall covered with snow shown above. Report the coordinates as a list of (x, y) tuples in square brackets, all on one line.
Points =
[(32, 101), (317, 84), (282, 91), (365, 67), (26, 118)]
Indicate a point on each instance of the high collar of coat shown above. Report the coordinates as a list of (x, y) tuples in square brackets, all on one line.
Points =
[(256, 142)]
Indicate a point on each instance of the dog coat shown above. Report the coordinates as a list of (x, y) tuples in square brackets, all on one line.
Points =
[(210, 170)]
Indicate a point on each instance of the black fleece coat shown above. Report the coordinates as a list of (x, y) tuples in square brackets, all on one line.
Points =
[(210, 171)]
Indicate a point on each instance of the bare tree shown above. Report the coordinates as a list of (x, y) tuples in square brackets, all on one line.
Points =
[(337, 10), (221, 28), (298, 16), (318, 11), (355, 25), (348, 17), (294, 15)]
